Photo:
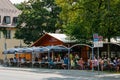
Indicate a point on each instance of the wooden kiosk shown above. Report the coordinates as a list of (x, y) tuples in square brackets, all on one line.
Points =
[(50, 39)]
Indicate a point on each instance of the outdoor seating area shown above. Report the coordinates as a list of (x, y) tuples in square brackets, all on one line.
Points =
[(40, 57), (58, 57)]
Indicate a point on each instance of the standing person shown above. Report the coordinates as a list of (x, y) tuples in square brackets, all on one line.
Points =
[(95, 63), (65, 62), (102, 64)]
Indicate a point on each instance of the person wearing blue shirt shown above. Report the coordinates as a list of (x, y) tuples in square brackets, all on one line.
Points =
[(65, 62)]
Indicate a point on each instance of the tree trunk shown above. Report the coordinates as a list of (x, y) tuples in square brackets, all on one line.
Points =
[(108, 49)]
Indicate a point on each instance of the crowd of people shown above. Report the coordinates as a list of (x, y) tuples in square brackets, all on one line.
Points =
[(74, 62), (21, 61), (101, 64)]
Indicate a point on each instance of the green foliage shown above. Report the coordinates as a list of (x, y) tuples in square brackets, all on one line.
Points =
[(38, 16), (4, 31), (82, 18), (78, 18)]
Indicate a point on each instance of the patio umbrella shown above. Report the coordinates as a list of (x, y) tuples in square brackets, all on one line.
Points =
[(10, 51), (5, 52), (57, 48), (24, 50), (40, 49)]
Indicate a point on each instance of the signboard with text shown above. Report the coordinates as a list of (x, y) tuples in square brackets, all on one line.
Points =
[(97, 40)]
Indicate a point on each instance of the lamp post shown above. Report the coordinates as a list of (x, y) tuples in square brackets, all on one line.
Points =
[(92, 58), (69, 64)]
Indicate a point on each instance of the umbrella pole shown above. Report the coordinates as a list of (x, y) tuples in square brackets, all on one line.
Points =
[(18, 60), (32, 59)]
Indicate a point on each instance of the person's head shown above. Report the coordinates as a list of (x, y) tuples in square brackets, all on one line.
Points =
[(66, 55), (19, 57), (81, 58), (76, 54)]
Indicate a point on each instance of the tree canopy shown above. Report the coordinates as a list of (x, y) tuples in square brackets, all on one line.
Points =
[(38, 17), (82, 18)]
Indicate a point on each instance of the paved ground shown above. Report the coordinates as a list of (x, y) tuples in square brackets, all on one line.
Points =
[(66, 74)]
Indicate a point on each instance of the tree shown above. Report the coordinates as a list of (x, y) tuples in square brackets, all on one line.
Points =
[(110, 22), (82, 18), (38, 17), (72, 16)]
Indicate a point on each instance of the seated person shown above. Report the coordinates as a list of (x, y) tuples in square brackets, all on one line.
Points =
[(23, 60), (81, 64), (118, 65), (36, 64), (51, 64)]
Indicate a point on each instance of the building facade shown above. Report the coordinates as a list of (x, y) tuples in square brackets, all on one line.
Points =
[(8, 21)]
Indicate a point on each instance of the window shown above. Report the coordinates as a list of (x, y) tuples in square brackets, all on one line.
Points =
[(15, 20), (8, 34), (7, 19)]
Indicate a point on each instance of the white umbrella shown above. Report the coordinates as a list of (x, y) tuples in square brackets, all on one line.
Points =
[(10, 51), (40, 49), (24, 50)]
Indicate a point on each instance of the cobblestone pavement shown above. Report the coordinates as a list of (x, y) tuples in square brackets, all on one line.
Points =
[(68, 74)]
